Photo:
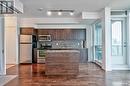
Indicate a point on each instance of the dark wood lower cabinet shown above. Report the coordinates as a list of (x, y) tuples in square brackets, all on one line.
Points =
[(83, 55), (62, 62)]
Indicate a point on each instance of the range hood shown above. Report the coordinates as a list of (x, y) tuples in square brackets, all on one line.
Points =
[(11, 7)]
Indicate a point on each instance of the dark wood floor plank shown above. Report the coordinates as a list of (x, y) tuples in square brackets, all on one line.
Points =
[(89, 75)]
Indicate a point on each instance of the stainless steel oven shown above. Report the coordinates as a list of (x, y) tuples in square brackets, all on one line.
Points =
[(41, 56), (44, 37)]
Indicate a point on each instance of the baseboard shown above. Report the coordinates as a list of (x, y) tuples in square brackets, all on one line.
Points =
[(120, 67), (98, 63)]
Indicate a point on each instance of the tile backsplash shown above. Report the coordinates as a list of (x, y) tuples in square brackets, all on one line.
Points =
[(67, 44)]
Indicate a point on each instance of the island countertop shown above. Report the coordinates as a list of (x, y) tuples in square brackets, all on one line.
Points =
[(62, 50), (83, 52)]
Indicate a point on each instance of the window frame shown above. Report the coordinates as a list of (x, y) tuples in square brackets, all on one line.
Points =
[(94, 40)]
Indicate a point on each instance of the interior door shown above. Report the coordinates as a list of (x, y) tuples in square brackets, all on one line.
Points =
[(2, 58), (118, 42)]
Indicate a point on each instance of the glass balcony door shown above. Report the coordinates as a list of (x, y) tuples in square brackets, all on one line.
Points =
[(98, 42), (118, 42)]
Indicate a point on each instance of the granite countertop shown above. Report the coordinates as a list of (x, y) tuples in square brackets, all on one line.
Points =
[(62, 51), (60, 48)]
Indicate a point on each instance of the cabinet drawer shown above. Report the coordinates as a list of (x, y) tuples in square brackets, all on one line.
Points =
[(62, 68), (62, 57), (66, 66), (40, 60)]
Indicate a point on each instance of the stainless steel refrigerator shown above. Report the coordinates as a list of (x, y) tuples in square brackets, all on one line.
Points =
[(26, 48)]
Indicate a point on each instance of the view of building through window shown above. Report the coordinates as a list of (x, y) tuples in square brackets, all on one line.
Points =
[(98, 42), (117, 38)]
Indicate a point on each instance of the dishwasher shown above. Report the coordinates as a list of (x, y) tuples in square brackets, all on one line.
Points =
[(41, 56)]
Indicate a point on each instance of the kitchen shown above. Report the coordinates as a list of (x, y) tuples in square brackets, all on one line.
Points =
[(36, 45), (64, 38)]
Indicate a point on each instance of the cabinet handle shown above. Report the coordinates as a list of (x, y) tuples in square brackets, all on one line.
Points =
[(3, 51), (124, 45)]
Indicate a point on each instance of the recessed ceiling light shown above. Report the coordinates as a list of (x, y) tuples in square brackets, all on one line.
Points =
[(40, 9), (71, 13), (49, 13), (59, 13)]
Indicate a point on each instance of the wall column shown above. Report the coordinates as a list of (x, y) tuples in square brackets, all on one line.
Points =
[(11, 39), (106, 38), (89, 42)]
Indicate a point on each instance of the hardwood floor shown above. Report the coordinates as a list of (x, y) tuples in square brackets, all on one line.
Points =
[(89, 75)]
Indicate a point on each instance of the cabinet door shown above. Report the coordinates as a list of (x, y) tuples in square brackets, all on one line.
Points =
[(43, 32), (83, 55), (64, 34), (25, 53), (78, 34), (67, 34), (26, 31), (52, 33), (58, 33)]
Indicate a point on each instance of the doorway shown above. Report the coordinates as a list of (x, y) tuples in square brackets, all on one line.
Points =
[(118, 43)]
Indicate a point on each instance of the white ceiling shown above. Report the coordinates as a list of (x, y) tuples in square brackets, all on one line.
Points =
[(120, 4), (31, 6)]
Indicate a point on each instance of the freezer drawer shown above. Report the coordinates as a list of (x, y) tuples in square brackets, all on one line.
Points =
[(25, 38), (25, 53)]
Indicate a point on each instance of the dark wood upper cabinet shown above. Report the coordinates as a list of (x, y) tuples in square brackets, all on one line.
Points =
[(64, 34), (56, 34), (43, 32), (28, 31)]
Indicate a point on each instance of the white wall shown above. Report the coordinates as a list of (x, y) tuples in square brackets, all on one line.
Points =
[(89, 41), (31, 22), (60, 26), (106, 44), (2, 59), (128, 38), (11, 40), (18, 5), (90, 15), (105, 18)]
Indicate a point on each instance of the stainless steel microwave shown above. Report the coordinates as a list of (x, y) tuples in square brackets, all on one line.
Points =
[(44, 37)]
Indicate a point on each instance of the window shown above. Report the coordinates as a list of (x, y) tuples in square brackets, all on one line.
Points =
[(98, 42)]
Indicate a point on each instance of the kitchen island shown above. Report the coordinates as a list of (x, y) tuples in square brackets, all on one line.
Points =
[(62, 62)]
